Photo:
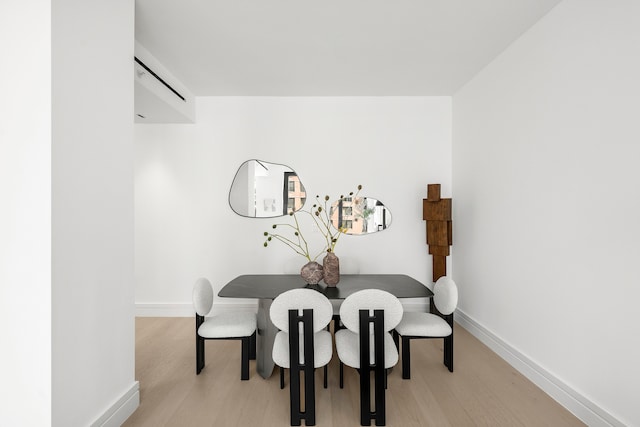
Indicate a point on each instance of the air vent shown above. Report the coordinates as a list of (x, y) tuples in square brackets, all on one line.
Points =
[(167, 85), (159, 97)]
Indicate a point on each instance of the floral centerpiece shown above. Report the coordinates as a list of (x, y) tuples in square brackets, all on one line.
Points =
[(293, 237)]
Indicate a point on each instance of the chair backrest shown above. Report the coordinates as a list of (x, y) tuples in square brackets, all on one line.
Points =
[(370, 299), (202, 296), (445, 295), (300, 299)]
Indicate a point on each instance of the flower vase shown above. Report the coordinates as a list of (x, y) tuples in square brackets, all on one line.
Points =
[(311, 273), (331, 268)]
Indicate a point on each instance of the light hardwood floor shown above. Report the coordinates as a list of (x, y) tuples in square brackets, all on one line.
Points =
[(483, 390)]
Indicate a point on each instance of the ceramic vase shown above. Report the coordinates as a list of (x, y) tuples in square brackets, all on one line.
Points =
[(331, 268), (312, 273)]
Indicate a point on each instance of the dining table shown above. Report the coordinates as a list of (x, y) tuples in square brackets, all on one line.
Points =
[(266, 287)]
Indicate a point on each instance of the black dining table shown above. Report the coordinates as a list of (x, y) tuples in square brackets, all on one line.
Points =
[(266, 287)]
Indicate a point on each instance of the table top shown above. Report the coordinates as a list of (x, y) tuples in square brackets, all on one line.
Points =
[(269, 286)]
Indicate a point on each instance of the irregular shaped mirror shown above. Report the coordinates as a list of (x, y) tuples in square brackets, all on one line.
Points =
[(360, 215), (266, 190)]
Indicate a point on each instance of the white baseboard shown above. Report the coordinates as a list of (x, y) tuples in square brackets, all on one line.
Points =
[(583, 408), (186, 310), (164, 310), (122, 409)]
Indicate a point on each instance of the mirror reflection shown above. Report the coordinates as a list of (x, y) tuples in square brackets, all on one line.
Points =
[(360, 215), (265, 190)]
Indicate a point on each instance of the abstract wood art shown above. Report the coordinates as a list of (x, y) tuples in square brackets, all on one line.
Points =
[(436, 211)]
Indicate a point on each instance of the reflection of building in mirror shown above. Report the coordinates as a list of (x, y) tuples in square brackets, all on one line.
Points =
[(295, 193), (345, 214), (360, 215)]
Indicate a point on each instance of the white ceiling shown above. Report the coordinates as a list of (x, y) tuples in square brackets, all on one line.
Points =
[(330, 47)]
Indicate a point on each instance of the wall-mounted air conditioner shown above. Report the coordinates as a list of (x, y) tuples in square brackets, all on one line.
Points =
[(159, 96)]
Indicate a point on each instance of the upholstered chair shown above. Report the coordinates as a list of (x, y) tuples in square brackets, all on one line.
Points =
[(301, 345), (226, 326), (416, 325), (366, 344)]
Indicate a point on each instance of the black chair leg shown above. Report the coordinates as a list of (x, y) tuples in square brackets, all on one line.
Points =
[(396, 339), (281, 377), (309, 396), (448, 352), (341, 374), (309, 413), (325, 376), (252, 346), (365, 397), (294, 396), (199, 354), (380, 397), (366, 414), (199, 345), (406, 358), (244, 368)]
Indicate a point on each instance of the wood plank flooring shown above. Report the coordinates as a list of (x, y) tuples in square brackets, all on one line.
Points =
[(483, 390)]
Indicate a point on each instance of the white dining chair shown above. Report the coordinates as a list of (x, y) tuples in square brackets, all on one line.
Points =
[(367, 345), (301, 345), (226, 326), (415, 325)]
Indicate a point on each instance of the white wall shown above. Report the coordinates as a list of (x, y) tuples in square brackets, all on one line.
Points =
[(271, 185), (25, 213), (185, 228), (546, 204), (92, 213)]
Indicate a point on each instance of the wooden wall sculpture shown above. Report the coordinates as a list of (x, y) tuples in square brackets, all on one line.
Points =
[(437, 212)]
